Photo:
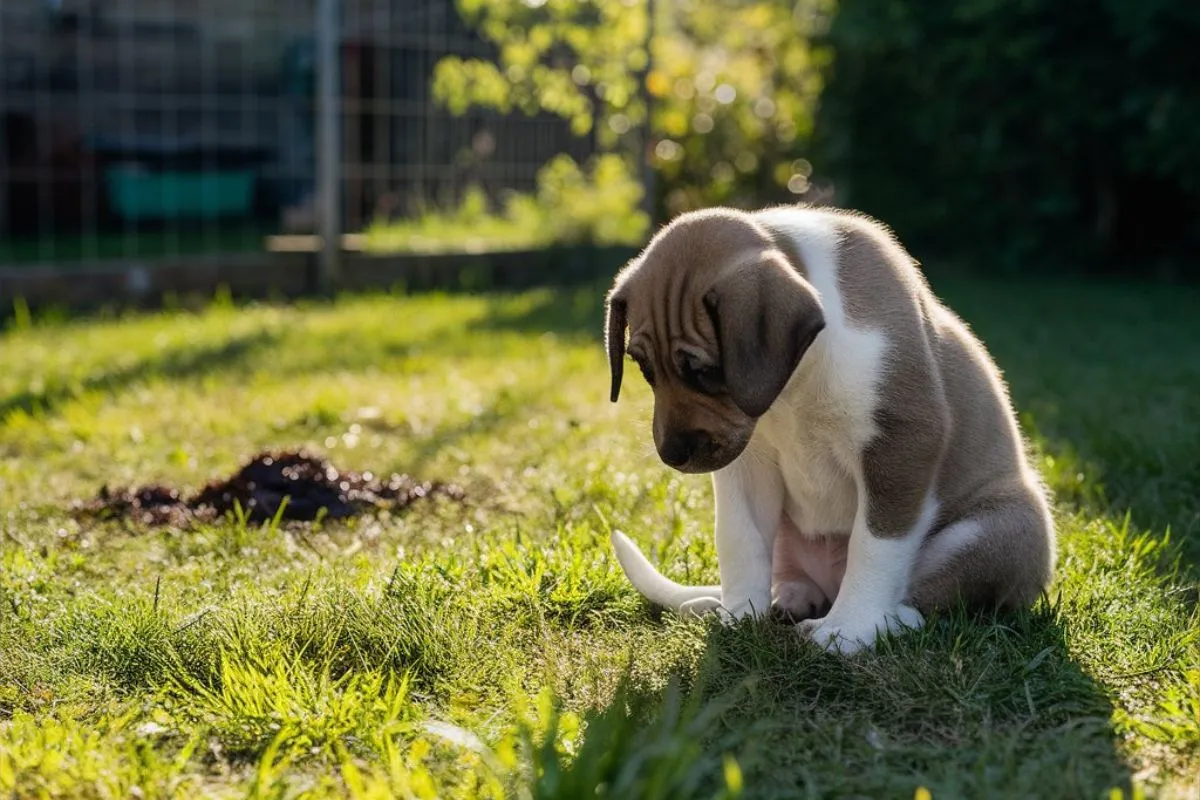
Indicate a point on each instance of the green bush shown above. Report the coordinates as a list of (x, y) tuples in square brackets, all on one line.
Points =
[(727, 87), (571, 206), (1020, 129)]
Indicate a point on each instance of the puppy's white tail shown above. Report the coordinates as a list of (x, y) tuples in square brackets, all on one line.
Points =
[(657, 588)]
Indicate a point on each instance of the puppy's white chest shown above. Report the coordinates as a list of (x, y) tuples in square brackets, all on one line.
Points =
[(816, 435), (820, 493)]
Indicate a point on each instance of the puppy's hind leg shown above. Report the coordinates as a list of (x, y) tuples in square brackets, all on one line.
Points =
[(799, 598), (1002, 557), (795, 591)]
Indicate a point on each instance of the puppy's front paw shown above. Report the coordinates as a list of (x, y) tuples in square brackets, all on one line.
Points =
[(847, 634)]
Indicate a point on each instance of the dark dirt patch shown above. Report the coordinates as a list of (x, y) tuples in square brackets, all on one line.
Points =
[(310, 485)]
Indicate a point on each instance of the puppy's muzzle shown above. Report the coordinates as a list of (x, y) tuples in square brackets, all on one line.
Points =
[(678, 449)]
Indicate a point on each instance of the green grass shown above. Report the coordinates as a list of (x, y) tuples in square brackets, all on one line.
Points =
[(494, 647)]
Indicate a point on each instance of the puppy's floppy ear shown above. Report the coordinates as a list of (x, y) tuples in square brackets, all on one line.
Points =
[(614, 340), (765, 316)]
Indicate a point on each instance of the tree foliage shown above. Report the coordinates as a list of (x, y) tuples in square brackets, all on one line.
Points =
[(578, 60), (731, 85), (1022, 128)]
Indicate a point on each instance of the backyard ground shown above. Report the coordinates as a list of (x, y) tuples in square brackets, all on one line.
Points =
[(424, 652)]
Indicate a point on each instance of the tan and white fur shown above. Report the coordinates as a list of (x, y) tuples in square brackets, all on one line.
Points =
[(867, 466)]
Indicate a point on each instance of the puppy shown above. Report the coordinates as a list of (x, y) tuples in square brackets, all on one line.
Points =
[(867, 466)]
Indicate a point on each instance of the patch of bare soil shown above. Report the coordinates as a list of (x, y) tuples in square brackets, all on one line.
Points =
[(308, 484)]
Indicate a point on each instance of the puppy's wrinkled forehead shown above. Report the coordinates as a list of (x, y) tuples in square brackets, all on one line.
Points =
[(667, 283)]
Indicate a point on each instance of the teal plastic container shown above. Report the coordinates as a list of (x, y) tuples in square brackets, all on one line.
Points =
[(138, 194)]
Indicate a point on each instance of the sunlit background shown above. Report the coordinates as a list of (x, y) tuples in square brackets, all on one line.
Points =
[(1033, 135)]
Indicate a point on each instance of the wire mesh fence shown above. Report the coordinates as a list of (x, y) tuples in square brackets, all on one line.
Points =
[(149, 129)]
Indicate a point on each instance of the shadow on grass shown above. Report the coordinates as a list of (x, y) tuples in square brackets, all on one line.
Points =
[(1110, 388), (178, 364), (1107, 381), (961, 708)]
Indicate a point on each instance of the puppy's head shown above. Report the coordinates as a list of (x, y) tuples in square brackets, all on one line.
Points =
[(718, 319)]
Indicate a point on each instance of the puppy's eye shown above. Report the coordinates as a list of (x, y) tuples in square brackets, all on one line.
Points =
[(644, 366), (700, 375)]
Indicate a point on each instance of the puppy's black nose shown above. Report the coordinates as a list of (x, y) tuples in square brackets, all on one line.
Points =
[(678, 448)]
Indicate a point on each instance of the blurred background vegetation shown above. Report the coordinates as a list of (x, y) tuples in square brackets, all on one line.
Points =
[(1018, 135), (1029, 132), (1023, 135)]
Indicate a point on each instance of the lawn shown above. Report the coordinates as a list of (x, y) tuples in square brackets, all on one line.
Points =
[(492, 646)]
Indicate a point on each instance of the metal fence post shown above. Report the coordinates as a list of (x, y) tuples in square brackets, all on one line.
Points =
[(328, 155)]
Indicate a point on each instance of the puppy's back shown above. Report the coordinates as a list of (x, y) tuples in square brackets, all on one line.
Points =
[(938, 376)]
